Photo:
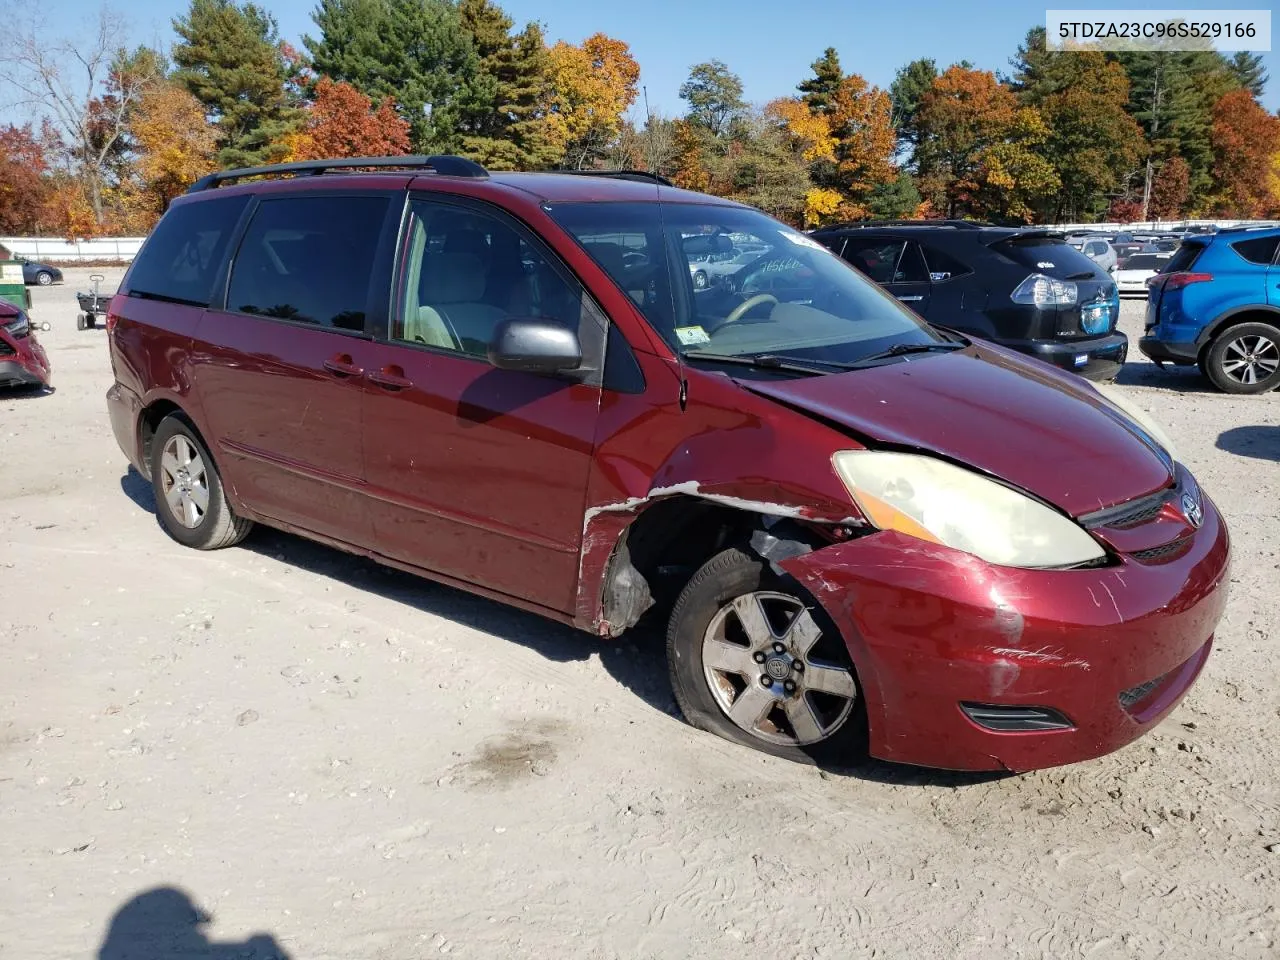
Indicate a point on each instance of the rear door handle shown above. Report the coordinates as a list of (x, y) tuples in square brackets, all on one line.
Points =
[(391, 378), (911, 299), (343, 366)]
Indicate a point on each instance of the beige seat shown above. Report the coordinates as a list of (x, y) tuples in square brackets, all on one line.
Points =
[(453, 287)]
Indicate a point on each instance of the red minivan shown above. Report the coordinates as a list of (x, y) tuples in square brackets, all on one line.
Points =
[(868, 532)]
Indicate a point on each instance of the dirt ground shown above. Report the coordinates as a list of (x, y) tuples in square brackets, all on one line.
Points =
[(354, 763)]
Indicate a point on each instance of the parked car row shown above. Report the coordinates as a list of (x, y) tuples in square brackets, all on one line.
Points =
[(866, 531)]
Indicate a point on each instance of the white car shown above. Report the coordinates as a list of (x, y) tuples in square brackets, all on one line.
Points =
[(1133, 272)]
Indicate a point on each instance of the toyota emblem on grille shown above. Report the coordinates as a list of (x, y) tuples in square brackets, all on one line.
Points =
[(1192, 510)]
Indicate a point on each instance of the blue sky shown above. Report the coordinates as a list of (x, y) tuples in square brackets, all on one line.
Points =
[(769, 44)]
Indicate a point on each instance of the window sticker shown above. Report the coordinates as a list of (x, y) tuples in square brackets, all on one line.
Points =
[(691, 336)]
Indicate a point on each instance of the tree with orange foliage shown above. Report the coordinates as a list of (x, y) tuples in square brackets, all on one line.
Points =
[(979, 152), (846, 136), (174, 144), (1245, 138), (23, 188), (591, 87), (1170, 190), (343, 122)]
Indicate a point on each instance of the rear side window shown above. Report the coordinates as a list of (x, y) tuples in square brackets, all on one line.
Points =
[(878, 259), (181, 258), (1185, 258), (1048, 255), (942, 265), (1257, 250), (309, 259)]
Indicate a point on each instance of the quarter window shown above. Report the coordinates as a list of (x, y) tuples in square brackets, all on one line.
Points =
[(308, 260), (1261, 250), (878, 259), (181, 258)]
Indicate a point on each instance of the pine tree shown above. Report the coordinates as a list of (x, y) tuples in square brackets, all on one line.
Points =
[(1249, 72), (229, 59), (819, 90), (503, 130), (416, 51), (911, 83)]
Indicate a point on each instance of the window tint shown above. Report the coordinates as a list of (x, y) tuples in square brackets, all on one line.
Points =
[(1144, 261), (308, 259), (943, 266), (911, 268), (465, 272), (181, 258), (1047, 255), (878, 259), (1184, 259), (1257, 249)]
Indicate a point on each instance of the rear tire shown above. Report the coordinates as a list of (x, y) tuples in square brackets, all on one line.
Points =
[(1244, 358), (699, 281), (190, 501), (80, 321), (810, 713)]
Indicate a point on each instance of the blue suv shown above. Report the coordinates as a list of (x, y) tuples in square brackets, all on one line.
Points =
[(1217, 304)]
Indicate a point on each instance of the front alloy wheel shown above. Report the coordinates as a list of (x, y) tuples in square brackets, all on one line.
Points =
[(755, 660), (756, 655)]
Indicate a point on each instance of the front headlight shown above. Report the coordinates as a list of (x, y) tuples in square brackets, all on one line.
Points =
[(935, 501), (1140, 417)]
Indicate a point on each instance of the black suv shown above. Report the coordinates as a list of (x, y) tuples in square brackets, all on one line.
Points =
[(1025, 289)]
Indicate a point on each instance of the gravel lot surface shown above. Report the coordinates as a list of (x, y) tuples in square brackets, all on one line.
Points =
[(357, 764)]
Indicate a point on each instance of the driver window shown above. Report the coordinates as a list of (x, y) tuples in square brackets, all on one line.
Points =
[(465, 272)]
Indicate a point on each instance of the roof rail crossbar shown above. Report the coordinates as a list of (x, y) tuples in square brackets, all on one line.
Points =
[(447, 166), (642, 176)]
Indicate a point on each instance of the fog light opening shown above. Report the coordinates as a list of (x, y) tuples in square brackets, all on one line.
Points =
[(1015, 719)]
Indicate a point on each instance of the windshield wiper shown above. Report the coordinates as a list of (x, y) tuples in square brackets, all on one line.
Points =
[(904, 349), (768, 361)]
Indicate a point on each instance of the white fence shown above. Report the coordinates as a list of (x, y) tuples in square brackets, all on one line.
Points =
[(120, 249)]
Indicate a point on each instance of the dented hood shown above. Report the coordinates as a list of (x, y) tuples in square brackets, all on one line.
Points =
[(1045, 432)]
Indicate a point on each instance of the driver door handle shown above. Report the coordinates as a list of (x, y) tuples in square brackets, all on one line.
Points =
[(391, 378), (343, 366), (912, 299)]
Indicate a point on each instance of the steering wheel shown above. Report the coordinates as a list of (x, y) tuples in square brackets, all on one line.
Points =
[(740, 310)]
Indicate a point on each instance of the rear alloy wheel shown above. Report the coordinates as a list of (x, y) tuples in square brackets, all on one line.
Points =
[(1245, 359), (189, 498), (44, 278), (756, 661), (700, 280)]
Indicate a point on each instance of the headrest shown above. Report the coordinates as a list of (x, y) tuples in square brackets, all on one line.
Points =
[(452, 278)]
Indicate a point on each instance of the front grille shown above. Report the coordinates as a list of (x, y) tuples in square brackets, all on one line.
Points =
[(5, 349), (1156, 553), (1131, 514), (1134, 695), (1141, 515)]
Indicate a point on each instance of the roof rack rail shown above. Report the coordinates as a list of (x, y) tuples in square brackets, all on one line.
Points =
[(447, 166), (643, 176), (959, 224)]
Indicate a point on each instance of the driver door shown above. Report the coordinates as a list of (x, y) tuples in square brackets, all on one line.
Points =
[(478, 473)]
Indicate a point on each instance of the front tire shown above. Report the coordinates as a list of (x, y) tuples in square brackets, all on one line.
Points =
[(755, 660), (80, 321), (1244, 359), (699, 281), (190, 501), (44, 278)]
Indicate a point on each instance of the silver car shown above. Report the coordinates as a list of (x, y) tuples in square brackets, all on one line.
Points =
[(1097, 249)]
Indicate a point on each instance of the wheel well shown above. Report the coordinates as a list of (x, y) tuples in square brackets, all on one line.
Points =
[(148, 423), (1269, 317), (667, 544)]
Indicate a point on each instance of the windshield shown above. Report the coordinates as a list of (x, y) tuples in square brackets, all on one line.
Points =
[(730, 280)]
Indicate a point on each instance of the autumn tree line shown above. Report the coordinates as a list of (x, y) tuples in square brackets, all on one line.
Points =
[(1074, 136)]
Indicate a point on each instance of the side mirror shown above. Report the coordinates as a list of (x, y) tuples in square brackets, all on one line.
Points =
[(535, 346)]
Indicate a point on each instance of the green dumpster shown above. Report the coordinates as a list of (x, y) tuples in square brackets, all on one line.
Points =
[(12, 287)]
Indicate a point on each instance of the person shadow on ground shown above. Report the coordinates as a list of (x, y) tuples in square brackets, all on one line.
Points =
[(163, 924)]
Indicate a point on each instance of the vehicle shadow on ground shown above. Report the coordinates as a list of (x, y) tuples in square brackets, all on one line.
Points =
[(637, 660), (1260, 442), (164, 924), (25, 393), (1181, 379)]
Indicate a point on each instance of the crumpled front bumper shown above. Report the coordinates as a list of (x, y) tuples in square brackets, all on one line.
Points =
[(28, 365), (930, 628)]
